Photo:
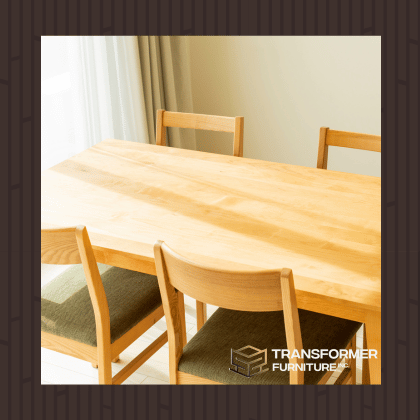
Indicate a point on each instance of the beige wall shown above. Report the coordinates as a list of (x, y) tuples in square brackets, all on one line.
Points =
[(287, 88)]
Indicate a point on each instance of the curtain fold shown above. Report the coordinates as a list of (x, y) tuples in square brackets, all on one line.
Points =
[(111, 87), (98, 87), (165, 74), (91, 89)]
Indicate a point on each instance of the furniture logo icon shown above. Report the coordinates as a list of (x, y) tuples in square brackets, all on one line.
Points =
[(248, 361)]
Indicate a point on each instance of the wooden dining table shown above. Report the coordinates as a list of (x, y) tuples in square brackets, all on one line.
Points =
[(233, 213)]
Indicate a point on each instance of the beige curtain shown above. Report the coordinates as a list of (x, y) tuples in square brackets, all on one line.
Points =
[(165, 70)]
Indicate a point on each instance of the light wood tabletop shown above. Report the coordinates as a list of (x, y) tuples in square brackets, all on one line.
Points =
[(232, 213)]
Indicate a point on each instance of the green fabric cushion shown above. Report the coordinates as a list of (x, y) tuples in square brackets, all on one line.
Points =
[(208, 353), (67, 311)]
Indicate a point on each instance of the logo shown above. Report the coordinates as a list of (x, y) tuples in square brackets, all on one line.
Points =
[(248, 361)]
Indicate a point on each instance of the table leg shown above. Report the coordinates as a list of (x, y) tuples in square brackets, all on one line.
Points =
[(201, 314), (373, 338)]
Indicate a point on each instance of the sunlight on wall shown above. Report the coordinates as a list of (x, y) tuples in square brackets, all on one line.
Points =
[(287, 88)]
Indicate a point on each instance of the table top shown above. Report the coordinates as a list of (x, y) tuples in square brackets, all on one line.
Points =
[(225, 211)]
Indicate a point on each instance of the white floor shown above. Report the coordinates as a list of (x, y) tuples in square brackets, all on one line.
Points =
[(57, 368)]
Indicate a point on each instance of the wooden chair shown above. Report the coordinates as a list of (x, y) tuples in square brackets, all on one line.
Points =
[(97, 321), (255, 309), (233, 125), (351, 140), (329, 137)]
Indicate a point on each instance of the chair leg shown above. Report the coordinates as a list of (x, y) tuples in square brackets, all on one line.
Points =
[(353, 362), (117, 359), (181, 306), (104, 363), (201, 314), (344, 378), (365, 369), (105, 373)]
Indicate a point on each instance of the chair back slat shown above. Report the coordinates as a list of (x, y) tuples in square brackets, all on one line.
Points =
[(258, 291), (199, 121), (354, 140), (348, 139), (233, 125), (59, 246)]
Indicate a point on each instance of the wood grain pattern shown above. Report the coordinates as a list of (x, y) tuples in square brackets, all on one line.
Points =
[(201, 309), (238, 137), (181, 309), (322, 149), (187, 379), (365, 369), (236, 213), (70, 347), (202, 283), (354, 140), (160, 128), (198, 121), (139, 360), (353, 362), (233, 125), (130, 336), (175, 320), (99, 303), (292, 324), (373, 339), (59, 246)]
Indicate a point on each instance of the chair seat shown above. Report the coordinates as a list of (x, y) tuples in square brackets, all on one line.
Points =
[(208, 353), (67, 311)]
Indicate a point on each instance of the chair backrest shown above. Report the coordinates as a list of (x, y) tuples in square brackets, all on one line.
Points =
[(72, 246), (329, 137), (255, 291), (233, 125)]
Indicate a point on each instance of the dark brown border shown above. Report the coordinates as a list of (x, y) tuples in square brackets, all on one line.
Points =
[(22, 22)]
